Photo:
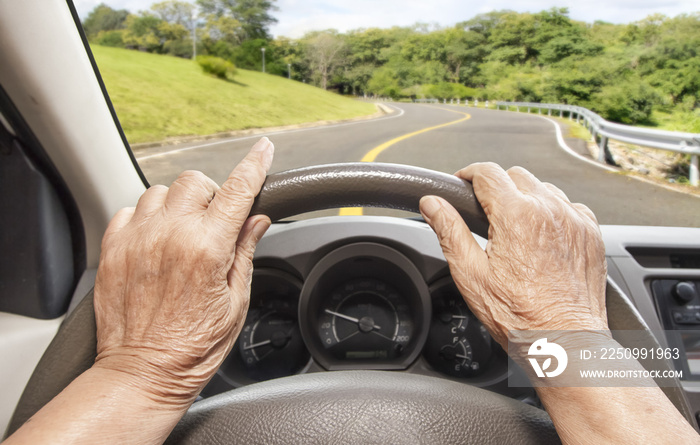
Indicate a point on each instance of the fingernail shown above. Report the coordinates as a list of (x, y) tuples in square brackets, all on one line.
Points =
[(267, 148), (260, 228), (429, 205)]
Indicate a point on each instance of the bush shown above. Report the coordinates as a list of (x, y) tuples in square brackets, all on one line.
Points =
[(110, 38), (630, 103), (179, 48), (217, 66), (447, 90)]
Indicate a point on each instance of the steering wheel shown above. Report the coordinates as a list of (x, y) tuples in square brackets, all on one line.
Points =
[(343, 406)]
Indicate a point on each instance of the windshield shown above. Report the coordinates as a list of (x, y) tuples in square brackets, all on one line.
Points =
[(194, 84)]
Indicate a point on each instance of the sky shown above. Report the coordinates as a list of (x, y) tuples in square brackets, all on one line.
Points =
[(296, 17)]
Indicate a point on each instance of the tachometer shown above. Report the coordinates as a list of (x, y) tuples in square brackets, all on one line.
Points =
[(270, 343)]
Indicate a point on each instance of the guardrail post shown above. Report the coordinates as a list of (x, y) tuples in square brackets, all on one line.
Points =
[(528, 110), (602, 153), (549, 112), (694, 171), (570, 117)]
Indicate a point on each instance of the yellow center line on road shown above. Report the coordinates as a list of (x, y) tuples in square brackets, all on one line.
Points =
[(373, 153)]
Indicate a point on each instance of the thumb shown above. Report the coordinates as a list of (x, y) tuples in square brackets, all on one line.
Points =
[(467, 260)]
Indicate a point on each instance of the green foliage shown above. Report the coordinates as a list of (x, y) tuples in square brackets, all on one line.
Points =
[(104, 18), (384, 83), (248, 55), (630, 102), (445, 90), (219, 67), (110, 38), (254, 15), (628, 72)]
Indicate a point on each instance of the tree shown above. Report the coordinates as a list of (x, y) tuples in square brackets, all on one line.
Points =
[(104, 18), (254, 15), (384, 83), (464, 50), (180, 13), (484, 23), (630, 102), (325, 52), (143, 32)]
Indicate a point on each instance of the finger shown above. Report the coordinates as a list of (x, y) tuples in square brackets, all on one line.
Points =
[(232, 203), (191, 191), (581, 208), (467, 260), (525, 181), (118, 222), (491, 184), (150, 202), (556, 191), (241, 273)]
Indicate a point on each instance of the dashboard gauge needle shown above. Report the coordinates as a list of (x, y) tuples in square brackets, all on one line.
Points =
[(347, 317), (459, 316), (461, 356), (255, 345), (382, 335)]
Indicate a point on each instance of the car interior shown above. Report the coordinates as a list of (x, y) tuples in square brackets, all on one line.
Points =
[(308, 356)]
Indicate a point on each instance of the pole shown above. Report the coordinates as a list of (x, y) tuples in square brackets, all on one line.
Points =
[(194, 41), (289, 71), (263, 57), (694, 171)]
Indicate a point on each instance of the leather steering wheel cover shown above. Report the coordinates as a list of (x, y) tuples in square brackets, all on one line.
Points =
[(73, 350), (363, 407), (365, 184)]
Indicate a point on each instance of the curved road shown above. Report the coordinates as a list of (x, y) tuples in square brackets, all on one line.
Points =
[(503, 137)]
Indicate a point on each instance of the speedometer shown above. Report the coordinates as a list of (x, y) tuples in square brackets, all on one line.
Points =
[(365, 319), (364, 306)]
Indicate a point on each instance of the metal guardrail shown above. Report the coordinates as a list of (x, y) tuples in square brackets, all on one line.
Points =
[(687, 143)]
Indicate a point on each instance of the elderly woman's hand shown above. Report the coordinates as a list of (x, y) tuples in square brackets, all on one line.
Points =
[(173, 283), (544, 264)]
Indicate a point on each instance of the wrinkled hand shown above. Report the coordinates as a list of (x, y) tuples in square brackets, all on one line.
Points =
[(544, 264), (173, 283)]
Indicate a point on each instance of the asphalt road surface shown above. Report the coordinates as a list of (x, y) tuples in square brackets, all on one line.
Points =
[(506, 138)]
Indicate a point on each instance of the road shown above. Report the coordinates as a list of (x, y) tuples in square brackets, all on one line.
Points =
[(506, 138)]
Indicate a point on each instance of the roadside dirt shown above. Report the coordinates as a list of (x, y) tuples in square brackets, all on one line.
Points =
[(657, 166)]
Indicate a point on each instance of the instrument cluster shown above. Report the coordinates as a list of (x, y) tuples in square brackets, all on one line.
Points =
[(363, 305)]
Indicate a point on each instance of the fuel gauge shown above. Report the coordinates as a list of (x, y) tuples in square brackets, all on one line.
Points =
[(458, 344)]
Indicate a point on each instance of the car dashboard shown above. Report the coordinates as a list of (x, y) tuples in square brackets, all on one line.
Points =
[(367, 293), (375, 293)]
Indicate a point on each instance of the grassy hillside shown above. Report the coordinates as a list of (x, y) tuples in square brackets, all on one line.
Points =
[(161, 96)]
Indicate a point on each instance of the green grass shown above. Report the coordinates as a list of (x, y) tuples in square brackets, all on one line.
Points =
[(687, 121), (158, 97), (574, 130)]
